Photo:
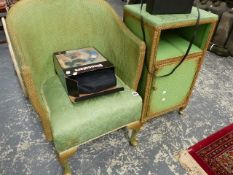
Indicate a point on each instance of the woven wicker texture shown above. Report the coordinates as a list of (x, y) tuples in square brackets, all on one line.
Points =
[(37, 29)]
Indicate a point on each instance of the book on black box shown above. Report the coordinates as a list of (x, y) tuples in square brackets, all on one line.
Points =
[(85, 73)]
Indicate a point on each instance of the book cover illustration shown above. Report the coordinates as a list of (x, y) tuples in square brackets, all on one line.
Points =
[(79, 58)]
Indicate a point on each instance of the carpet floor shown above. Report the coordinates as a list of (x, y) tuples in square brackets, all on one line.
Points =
[(24, 149), (212, 156)]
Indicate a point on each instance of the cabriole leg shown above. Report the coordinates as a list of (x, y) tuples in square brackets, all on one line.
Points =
[(64, 158), (181, 110), (133, 131)]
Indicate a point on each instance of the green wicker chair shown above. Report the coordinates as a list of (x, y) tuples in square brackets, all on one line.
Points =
[(36, 30)]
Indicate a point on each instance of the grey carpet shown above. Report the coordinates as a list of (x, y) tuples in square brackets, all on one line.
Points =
[(24, 150)]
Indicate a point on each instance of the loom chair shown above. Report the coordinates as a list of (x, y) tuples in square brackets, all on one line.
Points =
[(36, 30)]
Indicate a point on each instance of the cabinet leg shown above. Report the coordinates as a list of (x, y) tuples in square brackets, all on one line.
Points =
[(133, 140), (181, 110), (133, 131)]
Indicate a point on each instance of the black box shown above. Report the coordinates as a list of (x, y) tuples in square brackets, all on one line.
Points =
[(169, 6), (73, 63)]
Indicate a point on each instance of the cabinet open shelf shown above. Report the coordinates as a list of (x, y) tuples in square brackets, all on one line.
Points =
[(172, 45)]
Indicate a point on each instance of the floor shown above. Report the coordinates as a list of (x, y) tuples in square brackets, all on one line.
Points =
[(24, 149)]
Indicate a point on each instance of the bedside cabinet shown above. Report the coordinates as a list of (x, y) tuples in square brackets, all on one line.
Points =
[(167, 38)]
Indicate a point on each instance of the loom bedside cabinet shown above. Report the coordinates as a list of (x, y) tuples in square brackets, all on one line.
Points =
[(167, 38)]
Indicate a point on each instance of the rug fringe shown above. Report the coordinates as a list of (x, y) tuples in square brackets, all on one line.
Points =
[(188, 163)]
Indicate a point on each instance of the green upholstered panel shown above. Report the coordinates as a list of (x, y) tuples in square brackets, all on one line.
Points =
[(40, 28), (135, 26), (74, 124), (142, 83), (172, 90), (164, 20), (172, 45)]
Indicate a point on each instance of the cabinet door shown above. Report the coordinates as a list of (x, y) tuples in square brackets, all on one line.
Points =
[(170, 92)]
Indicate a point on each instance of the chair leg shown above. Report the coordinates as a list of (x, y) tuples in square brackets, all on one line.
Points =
[(133, 131), (66, 167), (133, 137), (64, 158)]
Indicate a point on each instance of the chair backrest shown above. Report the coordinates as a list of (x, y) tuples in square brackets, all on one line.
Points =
[(38, 28)]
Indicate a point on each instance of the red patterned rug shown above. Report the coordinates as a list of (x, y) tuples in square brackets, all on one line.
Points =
[(211, 156)]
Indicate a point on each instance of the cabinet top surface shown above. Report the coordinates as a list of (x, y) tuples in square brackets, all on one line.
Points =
[(165, 20)]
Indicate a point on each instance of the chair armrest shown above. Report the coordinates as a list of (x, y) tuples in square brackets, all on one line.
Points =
[(36, 98), (128, 55), (131, 61), (13, 57)]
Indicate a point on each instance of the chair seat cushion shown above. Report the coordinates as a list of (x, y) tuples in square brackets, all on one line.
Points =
[(73, 124)]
